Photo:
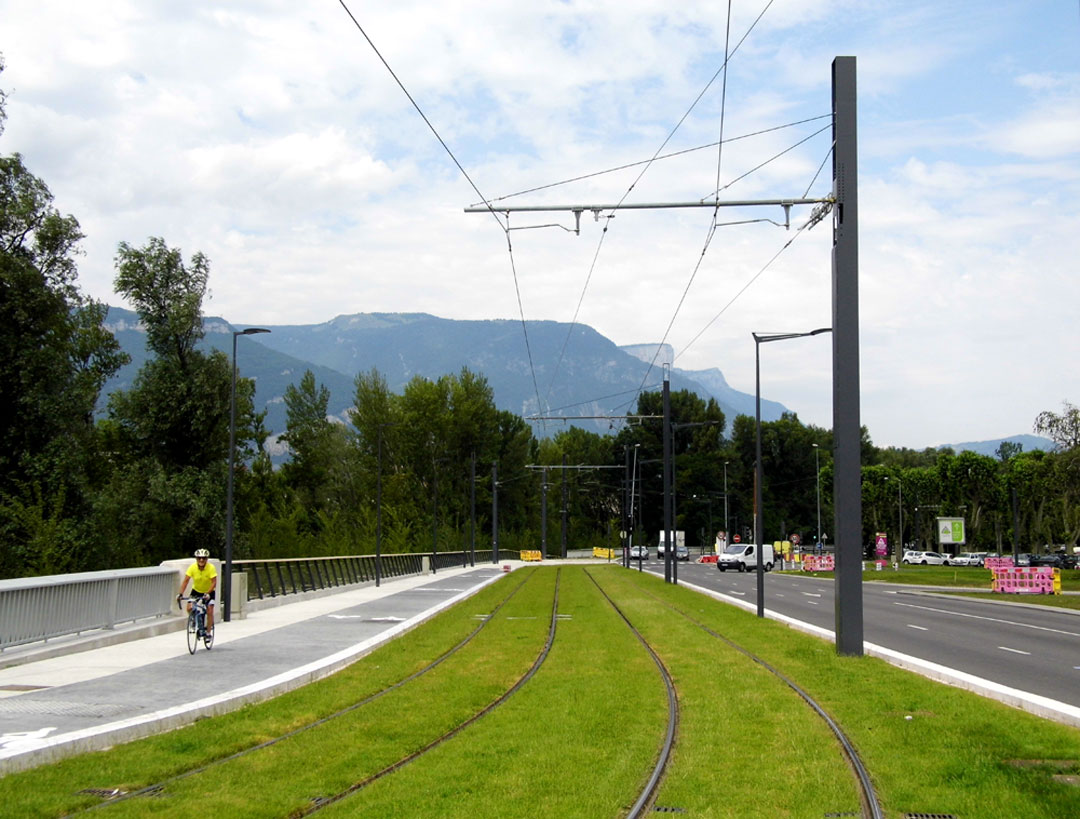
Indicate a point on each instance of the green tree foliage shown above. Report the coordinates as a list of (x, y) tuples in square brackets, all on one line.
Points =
[(169, 434), (1064, 429), (55, 356)]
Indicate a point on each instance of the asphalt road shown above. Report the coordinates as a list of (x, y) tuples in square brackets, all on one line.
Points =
[(1034, 649)]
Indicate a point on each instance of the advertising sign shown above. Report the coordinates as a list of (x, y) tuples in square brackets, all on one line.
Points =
[(881, 544), (951, 531)]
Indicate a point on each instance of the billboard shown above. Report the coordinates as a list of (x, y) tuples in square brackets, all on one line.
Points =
[(951, 531)]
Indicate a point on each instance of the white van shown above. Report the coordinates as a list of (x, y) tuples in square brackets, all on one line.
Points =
[(661, 546), (743, 557)]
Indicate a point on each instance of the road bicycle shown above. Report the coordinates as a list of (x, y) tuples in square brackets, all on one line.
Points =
[(196, 623)]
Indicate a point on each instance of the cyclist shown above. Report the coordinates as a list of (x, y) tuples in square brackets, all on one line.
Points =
[(203, 579)]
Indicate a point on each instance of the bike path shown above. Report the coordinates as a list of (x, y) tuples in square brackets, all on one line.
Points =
[(94, 699)]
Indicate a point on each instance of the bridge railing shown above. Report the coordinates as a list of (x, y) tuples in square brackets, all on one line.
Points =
[(283, 576), (36, 609)]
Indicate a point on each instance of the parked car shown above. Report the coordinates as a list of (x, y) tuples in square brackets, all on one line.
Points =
[(1059, 560), (969, 559), (681, 552), (639, 552), (1023, 559), (926, 558)]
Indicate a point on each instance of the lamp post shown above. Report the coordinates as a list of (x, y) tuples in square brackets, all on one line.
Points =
[(759, 515), (226, 597), (817, 470), (727, 531), (900, 514)]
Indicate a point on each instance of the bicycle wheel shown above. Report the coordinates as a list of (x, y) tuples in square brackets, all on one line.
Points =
[(208, 639), (192, 632)]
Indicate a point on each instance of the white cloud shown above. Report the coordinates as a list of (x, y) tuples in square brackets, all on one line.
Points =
[(270, 136)]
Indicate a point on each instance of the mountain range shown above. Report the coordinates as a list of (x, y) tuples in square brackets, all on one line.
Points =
[(576, 372)]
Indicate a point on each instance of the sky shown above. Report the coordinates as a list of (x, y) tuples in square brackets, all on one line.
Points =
[(273, 137)]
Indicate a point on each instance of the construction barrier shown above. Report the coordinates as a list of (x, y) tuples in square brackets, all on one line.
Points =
[(707, 559), (531, 554), (993, 563), (1027, 580), (607, 554), (819, 563)]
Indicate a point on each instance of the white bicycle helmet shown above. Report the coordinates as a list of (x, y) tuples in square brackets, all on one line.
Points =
[(202, 553)]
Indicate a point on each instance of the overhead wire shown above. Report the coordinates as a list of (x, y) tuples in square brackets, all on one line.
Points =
[(629, 165), (505, 228), (727, 57)]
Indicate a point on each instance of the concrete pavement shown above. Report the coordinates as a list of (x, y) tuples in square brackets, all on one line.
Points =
[(85, 700)]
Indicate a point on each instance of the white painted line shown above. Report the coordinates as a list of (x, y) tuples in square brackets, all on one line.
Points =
[(991, 619), (1015, 651), (811, 594), (920, 628)]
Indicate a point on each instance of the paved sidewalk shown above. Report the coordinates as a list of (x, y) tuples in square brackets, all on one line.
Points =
[(90, 700)]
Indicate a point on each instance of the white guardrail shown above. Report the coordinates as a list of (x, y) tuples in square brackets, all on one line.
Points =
[(33, 609)]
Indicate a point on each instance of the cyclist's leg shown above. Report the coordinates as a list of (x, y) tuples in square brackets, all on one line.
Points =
[(210, 615)]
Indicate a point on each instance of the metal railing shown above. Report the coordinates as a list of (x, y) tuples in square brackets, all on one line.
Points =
[(35, 609), (280, 576)]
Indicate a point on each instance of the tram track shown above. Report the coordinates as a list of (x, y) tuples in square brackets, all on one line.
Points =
[(647, 797), (870, 805), (323, 802), (159, 787)]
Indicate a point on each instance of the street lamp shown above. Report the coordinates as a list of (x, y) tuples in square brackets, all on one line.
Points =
[(900, 510), (817, 470), (226, 597), (727, 531), (759, 515)]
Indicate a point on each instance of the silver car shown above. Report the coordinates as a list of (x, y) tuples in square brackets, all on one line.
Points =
[(639, 552)]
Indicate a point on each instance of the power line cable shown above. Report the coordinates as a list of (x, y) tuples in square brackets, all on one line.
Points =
[(629, 190), (505, 228), (628, 165)]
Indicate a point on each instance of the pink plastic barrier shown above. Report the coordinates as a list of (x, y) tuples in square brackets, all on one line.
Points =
[(1024, 580), (993, 563), (818, 563)]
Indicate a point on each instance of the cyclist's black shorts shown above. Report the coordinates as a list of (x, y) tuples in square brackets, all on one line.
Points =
[(211, 593)]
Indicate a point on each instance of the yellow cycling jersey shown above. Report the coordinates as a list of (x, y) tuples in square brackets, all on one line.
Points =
[(201, 579)]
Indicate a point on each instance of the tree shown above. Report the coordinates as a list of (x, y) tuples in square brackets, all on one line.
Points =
[(1064, 429), (169, 434), (55, 355), (308, 434)]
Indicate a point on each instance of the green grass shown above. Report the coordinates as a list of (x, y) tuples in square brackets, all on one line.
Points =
[(581, 737)]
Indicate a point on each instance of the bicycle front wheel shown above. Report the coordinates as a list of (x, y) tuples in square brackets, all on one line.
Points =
[(192, 632)]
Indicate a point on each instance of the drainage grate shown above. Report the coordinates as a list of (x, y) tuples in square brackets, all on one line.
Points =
[(668, 809), (845, 813), (929, 816)]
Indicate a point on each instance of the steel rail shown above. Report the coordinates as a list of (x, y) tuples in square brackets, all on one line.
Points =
[(158, 787), (871, 806), (647, 796), (401, 763)]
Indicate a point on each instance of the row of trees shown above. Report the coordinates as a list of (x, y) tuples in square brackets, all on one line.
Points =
[(144, 479)]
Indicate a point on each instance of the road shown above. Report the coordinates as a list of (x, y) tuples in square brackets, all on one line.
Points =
[(1033, 649)]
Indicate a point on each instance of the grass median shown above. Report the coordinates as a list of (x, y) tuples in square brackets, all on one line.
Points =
[(581, 737)]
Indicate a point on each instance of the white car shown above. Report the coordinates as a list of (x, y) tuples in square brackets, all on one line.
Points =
[(926, 558), (969, 559)]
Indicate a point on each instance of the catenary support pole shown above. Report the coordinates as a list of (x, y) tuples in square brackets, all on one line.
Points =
[(847, 435)]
